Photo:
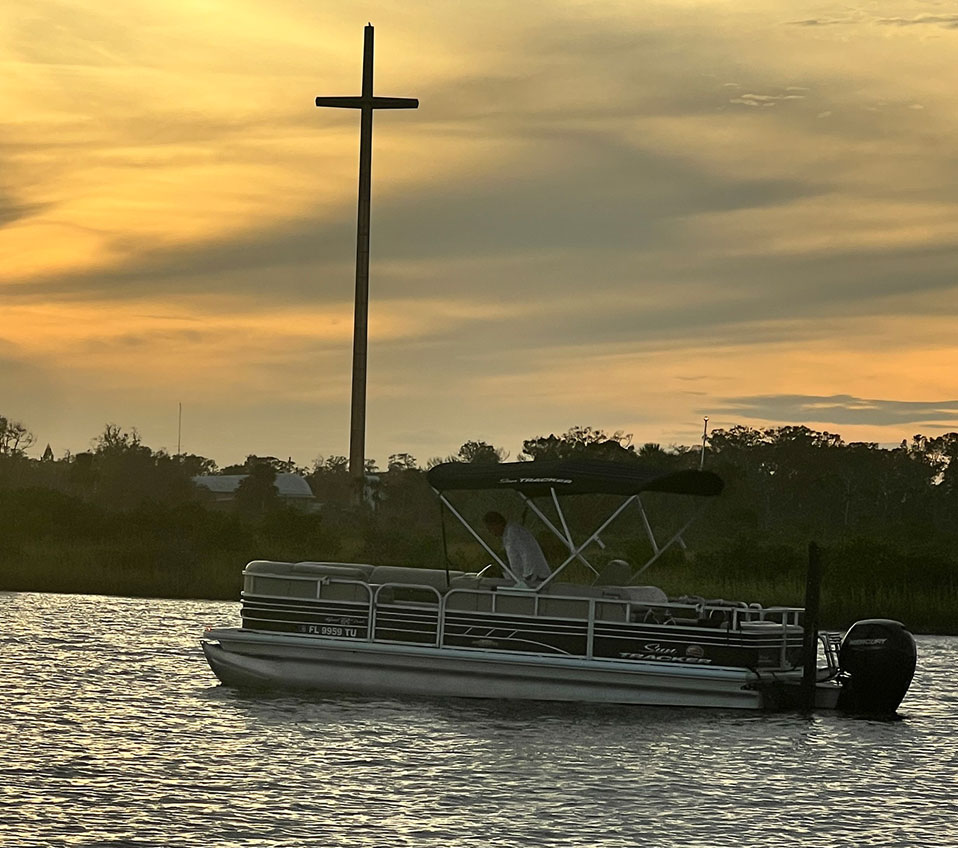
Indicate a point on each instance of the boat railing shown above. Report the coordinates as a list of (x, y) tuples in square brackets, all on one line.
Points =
[(831, 644), (509, 601), (559, 600), (350, 581), (422, 611)]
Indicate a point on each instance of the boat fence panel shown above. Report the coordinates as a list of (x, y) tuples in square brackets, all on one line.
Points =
[(299, 579), (564, 607), (401, 612), (468, 599), (280, 587), (519, 602), (343, 590)]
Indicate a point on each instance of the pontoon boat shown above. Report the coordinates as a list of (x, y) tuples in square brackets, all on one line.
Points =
[(394, 630)]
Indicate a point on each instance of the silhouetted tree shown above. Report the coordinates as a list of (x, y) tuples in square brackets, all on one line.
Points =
[(581, 442), (481, 453), (280, 466), (330, 481), (402, 462), (942, 454), (14, 437), (333, 464), (194, 465), (257, 492), (124, 472)]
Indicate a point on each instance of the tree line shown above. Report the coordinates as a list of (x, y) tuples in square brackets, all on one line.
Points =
[(888, 517)]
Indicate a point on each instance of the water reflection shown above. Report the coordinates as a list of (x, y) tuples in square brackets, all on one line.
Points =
[(117, 734)]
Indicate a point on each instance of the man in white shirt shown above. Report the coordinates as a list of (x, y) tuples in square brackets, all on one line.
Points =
[(526, 560)]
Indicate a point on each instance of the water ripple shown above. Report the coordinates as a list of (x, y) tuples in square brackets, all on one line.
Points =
[(116, 734)]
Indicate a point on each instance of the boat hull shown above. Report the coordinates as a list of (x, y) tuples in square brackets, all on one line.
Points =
[(247, 659)]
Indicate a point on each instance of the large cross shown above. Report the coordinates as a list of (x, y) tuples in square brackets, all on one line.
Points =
[(366, 103)]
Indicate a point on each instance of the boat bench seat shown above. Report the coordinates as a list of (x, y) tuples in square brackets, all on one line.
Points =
[(435, 577), (348, 570), (649, 595), (425, 585), (407, 579), (302, 579), (262, 566), (332, 569)]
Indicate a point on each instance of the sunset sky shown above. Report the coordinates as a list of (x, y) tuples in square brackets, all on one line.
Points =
[(621, 215)]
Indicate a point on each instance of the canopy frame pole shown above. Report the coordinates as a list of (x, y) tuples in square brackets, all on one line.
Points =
[(442, 531), (561, 514), (677, 537), (589, 541), (475, 535), (648, 527), (567, 538)]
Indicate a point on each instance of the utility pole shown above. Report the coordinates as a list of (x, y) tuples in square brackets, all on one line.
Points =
[(366, 103), (705, 437)]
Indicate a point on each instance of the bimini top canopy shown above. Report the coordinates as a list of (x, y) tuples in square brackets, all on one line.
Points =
[(572, 477)]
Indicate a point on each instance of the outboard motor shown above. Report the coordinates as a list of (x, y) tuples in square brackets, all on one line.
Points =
[(877, 658)]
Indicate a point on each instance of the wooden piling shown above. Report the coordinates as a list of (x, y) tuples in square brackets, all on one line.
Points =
[(813, 581)]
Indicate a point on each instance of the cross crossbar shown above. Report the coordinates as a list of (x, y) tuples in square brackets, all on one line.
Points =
[(368, 102)]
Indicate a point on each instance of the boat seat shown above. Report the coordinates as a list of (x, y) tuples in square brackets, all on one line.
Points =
[(349, 570), (268, 577), (691, 600), (715, 618), (358, 571), (408, 582), (644, 594), (721, 602), (305, 580), (435, 577), (262, 566), (616, 572), (575, 589)]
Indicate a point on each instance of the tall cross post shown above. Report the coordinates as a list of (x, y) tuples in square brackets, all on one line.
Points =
[(366, 103)]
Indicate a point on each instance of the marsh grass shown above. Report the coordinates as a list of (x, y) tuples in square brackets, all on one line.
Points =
[(195, 556), (111, 569), (920, 610)]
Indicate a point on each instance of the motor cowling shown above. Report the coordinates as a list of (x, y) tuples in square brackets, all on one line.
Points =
[(877, 658)]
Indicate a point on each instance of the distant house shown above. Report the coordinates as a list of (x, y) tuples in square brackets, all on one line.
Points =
[(292, 488)]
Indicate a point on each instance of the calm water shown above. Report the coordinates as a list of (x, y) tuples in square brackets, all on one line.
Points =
[(116, 733)]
